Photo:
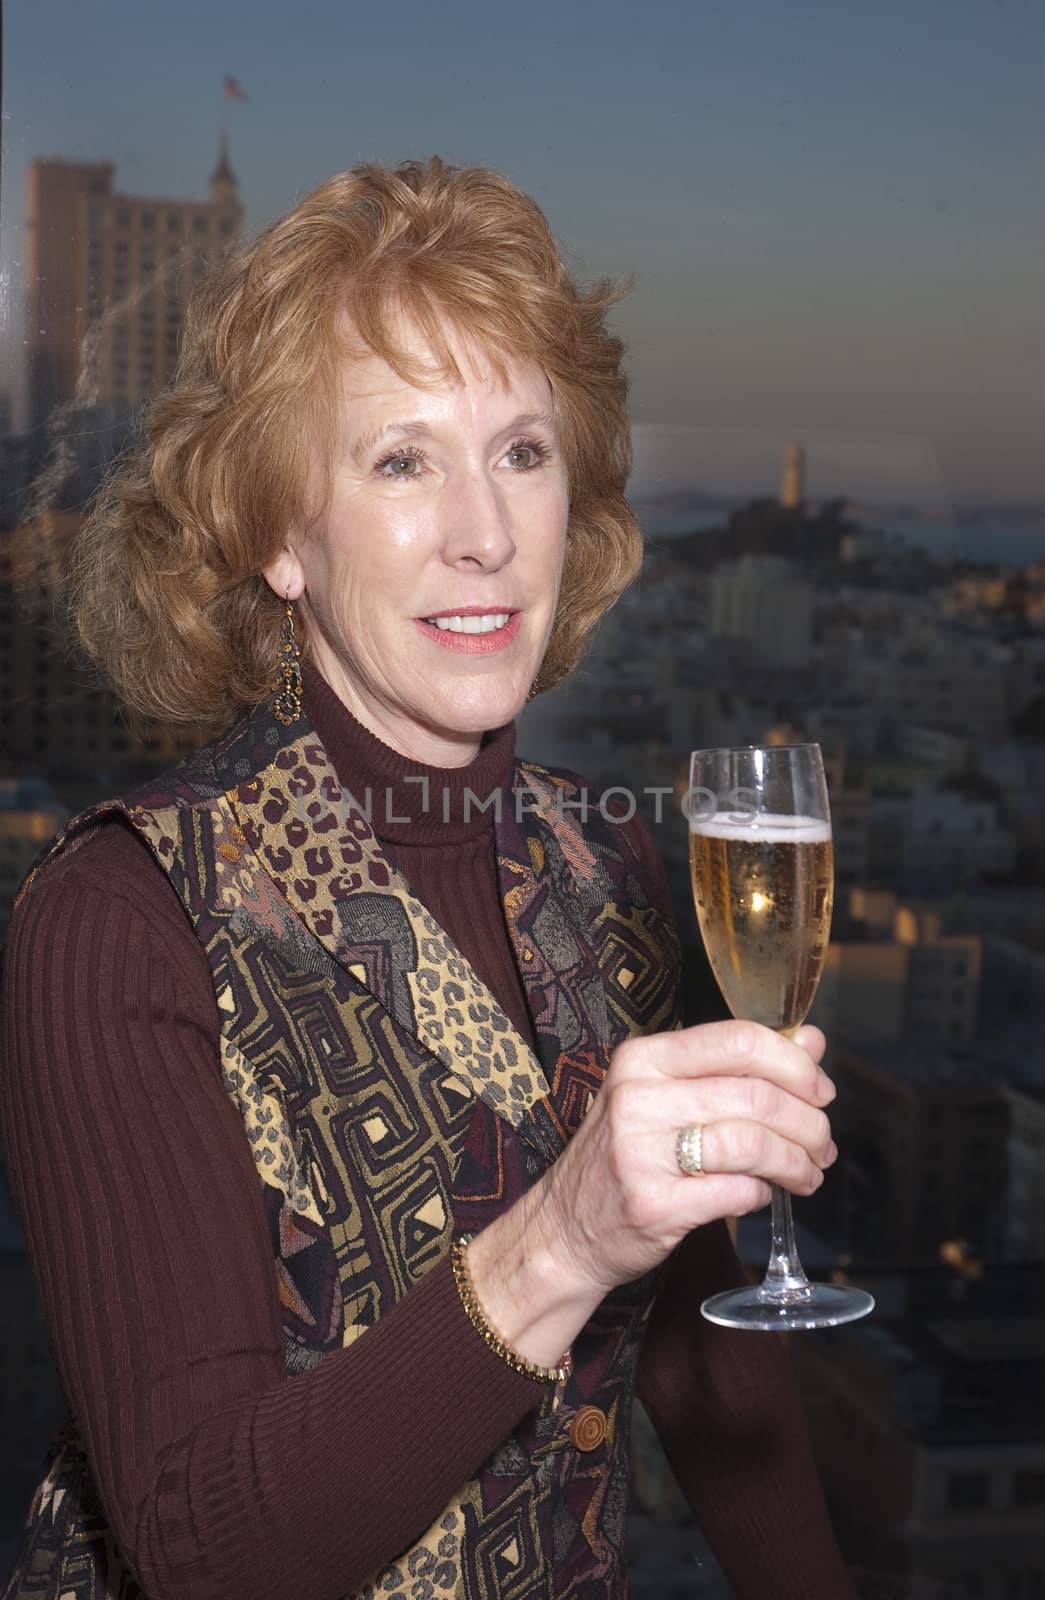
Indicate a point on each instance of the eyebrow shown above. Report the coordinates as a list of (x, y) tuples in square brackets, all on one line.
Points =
[(416, 429)]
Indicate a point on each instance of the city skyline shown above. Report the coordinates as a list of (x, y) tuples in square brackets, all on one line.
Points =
[(833, 218)]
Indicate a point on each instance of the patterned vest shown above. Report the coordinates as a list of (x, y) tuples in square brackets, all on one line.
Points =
[(389, 1103)]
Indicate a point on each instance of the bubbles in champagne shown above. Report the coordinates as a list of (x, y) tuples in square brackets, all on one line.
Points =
[(763, 888)]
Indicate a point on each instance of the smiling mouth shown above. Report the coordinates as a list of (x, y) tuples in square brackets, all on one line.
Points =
[(473, 631), (459, 622)]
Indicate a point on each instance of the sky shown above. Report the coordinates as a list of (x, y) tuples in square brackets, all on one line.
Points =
[(834, 211)]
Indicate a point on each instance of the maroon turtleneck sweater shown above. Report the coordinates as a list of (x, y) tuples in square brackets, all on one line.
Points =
[(220, 1475)]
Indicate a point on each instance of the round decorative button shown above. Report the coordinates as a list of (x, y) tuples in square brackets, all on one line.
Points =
[(588, 1428)]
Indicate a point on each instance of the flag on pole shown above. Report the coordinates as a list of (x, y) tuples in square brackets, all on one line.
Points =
[(234, 90)]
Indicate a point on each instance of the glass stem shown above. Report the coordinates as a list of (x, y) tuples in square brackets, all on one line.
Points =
[(785, 1278)]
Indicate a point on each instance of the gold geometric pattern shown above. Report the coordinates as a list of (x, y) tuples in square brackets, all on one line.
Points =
[(268, 1130), (359, 906)]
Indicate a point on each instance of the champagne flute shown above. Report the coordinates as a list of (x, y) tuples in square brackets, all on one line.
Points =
[(762, 871)]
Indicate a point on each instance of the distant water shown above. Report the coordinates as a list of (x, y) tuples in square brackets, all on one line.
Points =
[(1007, 543), (1004, 542), (667, 522)]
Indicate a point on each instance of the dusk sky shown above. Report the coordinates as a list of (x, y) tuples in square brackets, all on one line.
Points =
[(834, 211)]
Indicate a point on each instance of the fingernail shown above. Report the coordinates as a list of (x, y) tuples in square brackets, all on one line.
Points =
[(832, 1155), (826, 1088)]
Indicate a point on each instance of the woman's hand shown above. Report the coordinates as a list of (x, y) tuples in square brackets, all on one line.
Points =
[(615, 1204), (758, 1096)]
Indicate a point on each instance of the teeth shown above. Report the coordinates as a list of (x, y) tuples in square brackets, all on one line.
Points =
[(487, 624)]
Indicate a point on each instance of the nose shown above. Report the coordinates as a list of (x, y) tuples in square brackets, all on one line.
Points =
[(478, 529)]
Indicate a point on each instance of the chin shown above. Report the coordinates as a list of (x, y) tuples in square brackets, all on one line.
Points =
[(489, 707)]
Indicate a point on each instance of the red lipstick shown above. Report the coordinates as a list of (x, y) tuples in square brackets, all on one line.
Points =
[(476, 644)]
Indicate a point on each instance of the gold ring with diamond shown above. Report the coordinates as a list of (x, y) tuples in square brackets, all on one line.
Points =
[(689, 1150)]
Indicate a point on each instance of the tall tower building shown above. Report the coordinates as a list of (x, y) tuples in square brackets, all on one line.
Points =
[(793, 489), (108, 278)]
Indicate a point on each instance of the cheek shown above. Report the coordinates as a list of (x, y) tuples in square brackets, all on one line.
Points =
[(557, 549), (365, 561), (401, 533), (336, 585), (553, 523)]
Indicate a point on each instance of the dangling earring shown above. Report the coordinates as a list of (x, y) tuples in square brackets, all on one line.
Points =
[(287, 704), (534, 690)]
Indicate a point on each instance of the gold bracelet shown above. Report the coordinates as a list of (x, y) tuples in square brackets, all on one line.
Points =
[(477, 1317)]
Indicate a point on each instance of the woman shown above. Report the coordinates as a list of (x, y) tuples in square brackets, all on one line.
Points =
[(353, 987)]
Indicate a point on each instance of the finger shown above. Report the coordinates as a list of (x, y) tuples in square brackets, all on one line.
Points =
[(812, 1040), (733, 1197), (650, 1108), (734, 1048), (661, 1107), (756, 1151)]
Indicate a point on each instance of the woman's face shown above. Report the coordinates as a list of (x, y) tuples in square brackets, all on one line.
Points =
[(430, 582)]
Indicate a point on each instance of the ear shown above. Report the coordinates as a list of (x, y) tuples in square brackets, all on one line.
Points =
[(285, 575)]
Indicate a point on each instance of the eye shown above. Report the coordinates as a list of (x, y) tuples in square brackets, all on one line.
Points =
[(405, 463), (525, 454)]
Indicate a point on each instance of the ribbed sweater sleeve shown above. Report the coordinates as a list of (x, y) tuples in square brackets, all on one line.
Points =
[(143, 1213)]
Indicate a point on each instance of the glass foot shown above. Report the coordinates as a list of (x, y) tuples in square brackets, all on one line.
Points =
[(825, 1305)]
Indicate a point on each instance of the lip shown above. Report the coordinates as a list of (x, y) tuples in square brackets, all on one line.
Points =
[(472, 611), (474, 644)]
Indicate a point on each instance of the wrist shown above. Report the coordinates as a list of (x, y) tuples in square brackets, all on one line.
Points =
[(477, 1316), (536, 1304)]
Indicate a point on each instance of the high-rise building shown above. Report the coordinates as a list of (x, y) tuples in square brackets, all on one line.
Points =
[(58, 195), (924, 1133), (108, 277), (55, 723)]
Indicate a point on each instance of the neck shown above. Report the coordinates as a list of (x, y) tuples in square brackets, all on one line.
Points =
[(409, 801)]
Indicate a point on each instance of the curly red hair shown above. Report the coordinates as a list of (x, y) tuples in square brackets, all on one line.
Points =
[(165, 579)]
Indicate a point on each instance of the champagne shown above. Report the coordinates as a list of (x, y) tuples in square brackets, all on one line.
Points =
[(763, 886), (763, 889)]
